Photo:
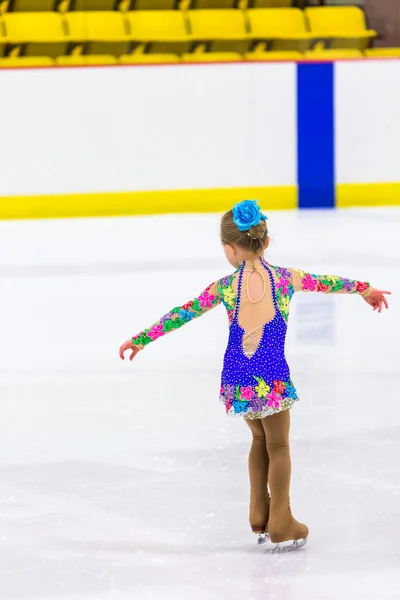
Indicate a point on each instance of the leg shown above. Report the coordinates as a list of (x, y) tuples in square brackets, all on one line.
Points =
[(282, 526), (258, 472)]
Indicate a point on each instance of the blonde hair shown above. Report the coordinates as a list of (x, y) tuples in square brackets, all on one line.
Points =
[(253, 240)]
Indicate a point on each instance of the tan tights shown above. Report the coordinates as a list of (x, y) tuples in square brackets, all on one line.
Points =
[(269, 463)]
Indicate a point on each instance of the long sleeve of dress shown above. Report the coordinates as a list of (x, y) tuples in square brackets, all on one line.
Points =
[(327, 284), (179, 316)]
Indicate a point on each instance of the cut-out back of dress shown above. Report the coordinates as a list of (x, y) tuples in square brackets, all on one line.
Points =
[(255, 304)]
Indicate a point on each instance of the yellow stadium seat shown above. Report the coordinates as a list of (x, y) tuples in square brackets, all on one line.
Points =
[(279, 28), (206, 4), (33, 5), (26, 61), (36, 34), (4, 5), (213, 57), (159, 31), (3, 40), (382, 52), (148, 59), (339, 27), (86, 59), (333, 54), (272, 56), (101, 59), (271, 3), (94, 5), (219, 30), (98, 32), (154, 4)]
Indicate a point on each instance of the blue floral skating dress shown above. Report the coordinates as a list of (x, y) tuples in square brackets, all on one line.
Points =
[(255, 380)]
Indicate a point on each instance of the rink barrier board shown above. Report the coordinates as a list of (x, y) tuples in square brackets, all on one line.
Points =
[(299, 61), (315, 135), (185, 201), (367, 194), (143, 203), (315, 165)]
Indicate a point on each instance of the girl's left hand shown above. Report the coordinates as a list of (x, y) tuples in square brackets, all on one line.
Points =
[(129, 345), (376, 299)]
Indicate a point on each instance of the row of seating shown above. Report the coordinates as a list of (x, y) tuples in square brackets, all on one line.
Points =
[(196, 57), (125, 5), (230, 30)]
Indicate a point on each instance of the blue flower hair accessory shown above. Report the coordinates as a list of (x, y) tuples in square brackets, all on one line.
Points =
[(247, 214)]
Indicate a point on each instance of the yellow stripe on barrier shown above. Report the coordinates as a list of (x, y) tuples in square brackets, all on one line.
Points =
[(367, 194), (143, 203)]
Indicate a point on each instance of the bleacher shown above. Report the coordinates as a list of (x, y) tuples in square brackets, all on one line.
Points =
[(89, 32)]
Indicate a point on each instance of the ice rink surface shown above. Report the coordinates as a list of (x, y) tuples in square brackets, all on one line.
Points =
[(123, 481)]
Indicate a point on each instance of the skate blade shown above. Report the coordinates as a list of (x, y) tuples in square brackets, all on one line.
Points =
[(263, 538), (283, 547)]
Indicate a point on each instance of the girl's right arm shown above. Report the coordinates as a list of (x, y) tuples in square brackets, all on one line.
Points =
[(174, 319)]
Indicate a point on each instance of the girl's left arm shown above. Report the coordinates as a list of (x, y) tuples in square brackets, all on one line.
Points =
[(333, 284), (327, 284), (174, 319)]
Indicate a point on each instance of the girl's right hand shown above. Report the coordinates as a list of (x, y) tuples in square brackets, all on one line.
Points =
[(129, 345), (376, 299)]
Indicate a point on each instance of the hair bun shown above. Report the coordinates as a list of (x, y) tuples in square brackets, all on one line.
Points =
[(257, 232), (251, 238)]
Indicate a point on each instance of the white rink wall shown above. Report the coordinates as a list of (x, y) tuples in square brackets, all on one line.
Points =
[(367, 101), (155, 128), (70, 131)]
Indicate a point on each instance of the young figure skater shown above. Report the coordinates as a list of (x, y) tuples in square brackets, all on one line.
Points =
[(256, 382)]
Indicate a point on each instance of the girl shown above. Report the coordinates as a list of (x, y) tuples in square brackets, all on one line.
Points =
[(256, 382)]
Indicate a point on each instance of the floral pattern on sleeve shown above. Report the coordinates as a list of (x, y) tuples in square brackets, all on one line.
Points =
[(284, 290), (328, 284), (228, 295), (179, 316)]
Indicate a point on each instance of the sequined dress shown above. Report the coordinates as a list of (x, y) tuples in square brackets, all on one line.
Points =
[(255, 380)]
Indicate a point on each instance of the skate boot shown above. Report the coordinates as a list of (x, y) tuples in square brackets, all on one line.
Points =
[(287, 534)]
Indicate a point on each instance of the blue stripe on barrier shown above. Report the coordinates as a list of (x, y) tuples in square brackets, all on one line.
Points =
[(315, 135)]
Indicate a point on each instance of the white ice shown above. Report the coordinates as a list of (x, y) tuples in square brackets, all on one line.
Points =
[(126, 480)]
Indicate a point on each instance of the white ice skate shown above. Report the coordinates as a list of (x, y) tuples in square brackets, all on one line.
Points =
[(282, 547)]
